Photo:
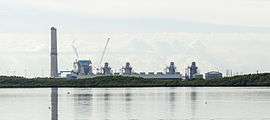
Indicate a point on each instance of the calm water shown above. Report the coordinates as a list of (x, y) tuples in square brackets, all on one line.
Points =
[(135, 104)]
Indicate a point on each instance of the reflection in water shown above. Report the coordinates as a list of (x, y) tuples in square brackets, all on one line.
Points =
[(54, 103), (106, 96), (128, 96), (172, 100), (161, 103), (107, 104), (82, 103), (128, 100), (193, 98)]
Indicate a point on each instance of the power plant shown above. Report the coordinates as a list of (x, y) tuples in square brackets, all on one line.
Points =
[(84, 68)]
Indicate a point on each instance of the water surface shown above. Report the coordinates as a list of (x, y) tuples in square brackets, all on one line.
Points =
[(136, 103)]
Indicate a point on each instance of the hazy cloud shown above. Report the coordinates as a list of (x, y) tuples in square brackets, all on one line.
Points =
[(218, 34)]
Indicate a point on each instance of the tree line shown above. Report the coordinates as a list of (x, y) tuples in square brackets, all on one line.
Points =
[(120, 81)]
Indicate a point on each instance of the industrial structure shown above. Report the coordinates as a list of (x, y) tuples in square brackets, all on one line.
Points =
[(198, 76), (213, 75), (84, 68), (106, 69), (192, 72), (54, 60), (127, 70), (171, 73), (171, 69), (193, 69)]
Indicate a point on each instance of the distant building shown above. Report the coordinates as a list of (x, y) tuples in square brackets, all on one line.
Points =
[(193, 69), (213, 75), (106, 69), (151, 73), (116, 74), (127, 69), (83, 67), (171, 69), (142, 73), (197, 76)]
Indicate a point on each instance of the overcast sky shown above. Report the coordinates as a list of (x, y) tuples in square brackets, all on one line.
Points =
[(217, 34)]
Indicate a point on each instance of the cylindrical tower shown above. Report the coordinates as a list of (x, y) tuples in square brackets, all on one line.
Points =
[(54, 61)]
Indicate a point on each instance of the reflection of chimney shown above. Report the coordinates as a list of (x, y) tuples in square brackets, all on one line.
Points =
[(54, 62), (54, 103)]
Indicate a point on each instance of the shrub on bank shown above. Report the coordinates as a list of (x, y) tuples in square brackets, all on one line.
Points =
[(120, 81)]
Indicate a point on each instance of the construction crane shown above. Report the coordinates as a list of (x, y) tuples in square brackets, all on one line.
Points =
[(75, 50), (104, 50)]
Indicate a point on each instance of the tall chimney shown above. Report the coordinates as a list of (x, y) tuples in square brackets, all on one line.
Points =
[(54, 61)]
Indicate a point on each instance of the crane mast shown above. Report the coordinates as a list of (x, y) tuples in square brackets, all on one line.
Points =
[(104, 50), (75, 49)]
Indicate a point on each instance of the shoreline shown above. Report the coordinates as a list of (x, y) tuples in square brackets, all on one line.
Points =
[(251, 80), (142, 87)]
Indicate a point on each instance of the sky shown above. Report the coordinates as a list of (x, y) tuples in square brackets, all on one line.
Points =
[(217, 34)]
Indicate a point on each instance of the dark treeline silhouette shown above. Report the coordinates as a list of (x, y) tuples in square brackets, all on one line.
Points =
[(120, 81)]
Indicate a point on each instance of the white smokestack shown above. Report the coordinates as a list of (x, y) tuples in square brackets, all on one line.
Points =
[(54, 61)]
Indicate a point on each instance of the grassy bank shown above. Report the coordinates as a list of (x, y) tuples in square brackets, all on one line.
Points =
[(118, 81)]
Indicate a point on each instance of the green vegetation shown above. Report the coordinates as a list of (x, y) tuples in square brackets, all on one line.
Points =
[(118, 81)]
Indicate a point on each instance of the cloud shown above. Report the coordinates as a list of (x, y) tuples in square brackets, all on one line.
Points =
[(243, 52), (149, 33), (135, 16), (220, 12)]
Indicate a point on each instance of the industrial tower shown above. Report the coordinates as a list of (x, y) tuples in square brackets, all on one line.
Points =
[(127, 69), (171, 69), (54, 62), (193, 70)]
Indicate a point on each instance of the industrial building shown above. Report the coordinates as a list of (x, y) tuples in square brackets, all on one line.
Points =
[(192, 72), (213, 75), (171, 69), (127, 70), (193, 69), (198, 76), (106, 69), (84, 68)]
